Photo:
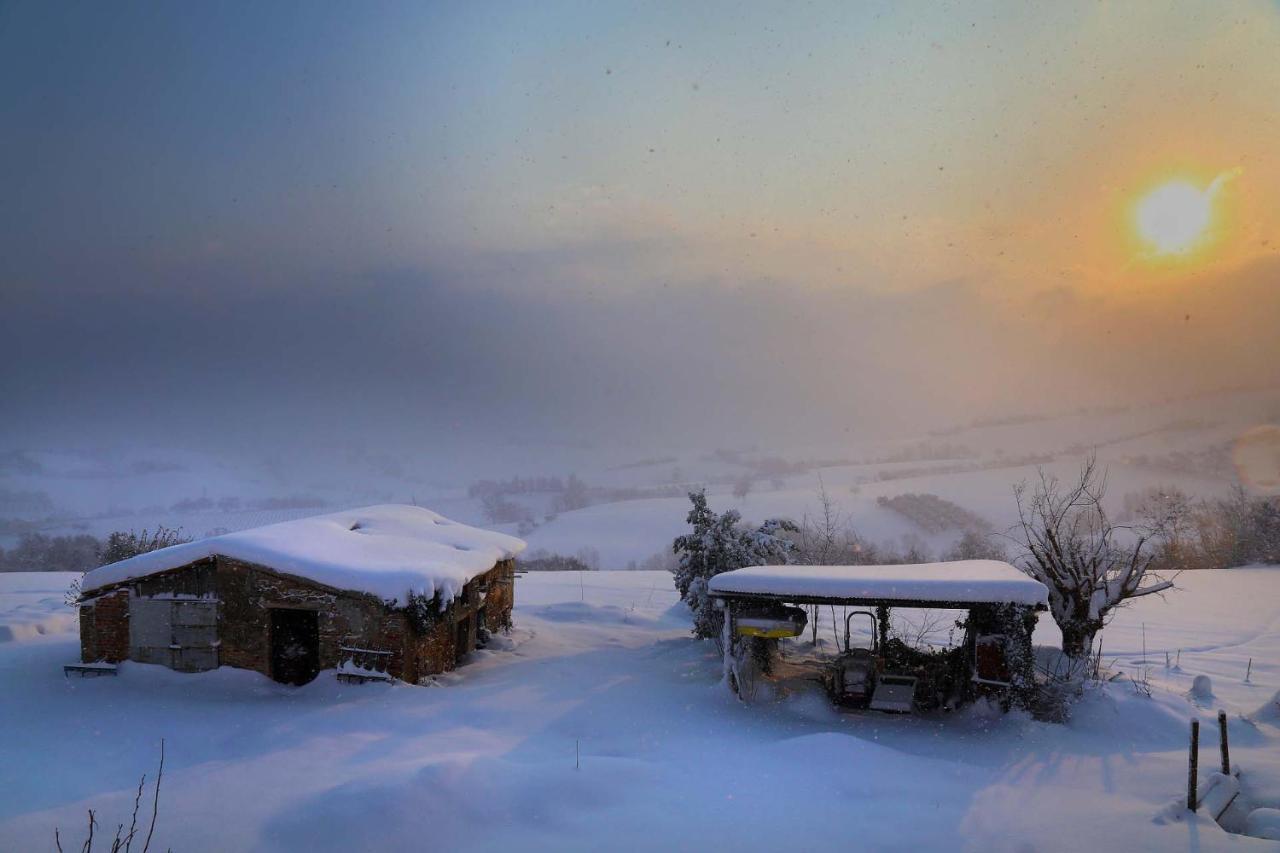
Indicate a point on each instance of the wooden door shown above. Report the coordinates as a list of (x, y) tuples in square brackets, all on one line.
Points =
[(295, 645)]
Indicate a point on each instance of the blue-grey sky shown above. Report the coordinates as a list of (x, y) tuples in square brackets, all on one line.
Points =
[(581, 220)]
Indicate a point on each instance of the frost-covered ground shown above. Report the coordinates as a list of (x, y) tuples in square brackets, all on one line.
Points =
[(600, 667)]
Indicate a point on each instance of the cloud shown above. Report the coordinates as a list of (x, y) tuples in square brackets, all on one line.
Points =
[(489, 347)]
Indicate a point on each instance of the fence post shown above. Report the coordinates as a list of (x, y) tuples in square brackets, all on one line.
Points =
[(1222, 737), (1192, 761)]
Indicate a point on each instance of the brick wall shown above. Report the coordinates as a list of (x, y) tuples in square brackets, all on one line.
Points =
[(104, 628)]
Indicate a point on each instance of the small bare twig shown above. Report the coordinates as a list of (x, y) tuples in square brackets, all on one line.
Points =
[(155, 803), (88, 842), (133, 821)]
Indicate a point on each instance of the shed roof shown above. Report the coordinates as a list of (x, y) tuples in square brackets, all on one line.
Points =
[(389, 551), (962, 583)]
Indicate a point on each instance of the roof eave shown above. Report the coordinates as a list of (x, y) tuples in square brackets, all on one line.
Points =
[(949, 604)]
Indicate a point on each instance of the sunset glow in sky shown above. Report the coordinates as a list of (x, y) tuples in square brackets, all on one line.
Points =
[(860, 174)]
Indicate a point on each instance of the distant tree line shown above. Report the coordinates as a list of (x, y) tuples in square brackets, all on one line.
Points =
[(932, 513), (515, 486), (541, 560), (36, 552), (568, 494), (1212, 534), (207, 504)]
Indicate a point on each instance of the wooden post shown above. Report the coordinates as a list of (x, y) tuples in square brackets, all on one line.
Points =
[(1248, 672), (1192, 761), (1222, 740)]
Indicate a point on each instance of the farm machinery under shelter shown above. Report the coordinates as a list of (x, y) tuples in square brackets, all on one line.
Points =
[(765, 604)]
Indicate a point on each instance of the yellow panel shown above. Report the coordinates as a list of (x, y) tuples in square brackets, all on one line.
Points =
[(769, 633)]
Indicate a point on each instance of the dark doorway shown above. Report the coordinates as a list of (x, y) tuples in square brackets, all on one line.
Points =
[(462, 640), (295, 645)]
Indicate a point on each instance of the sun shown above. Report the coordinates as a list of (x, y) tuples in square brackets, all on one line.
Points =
[(1174, 217), (1180, 217)]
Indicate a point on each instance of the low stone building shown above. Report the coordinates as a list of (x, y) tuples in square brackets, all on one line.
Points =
[(386, 591)]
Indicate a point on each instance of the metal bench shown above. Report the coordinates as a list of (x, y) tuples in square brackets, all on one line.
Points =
[(359, 666)]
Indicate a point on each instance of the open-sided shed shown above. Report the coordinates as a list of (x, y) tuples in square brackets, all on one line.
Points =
[(995, 656)]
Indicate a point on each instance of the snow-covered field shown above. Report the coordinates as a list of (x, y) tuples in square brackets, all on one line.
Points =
[(1182, 443), (602, 725)]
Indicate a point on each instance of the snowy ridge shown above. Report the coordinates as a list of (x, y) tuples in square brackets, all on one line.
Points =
[(389, 551), (979, 581)]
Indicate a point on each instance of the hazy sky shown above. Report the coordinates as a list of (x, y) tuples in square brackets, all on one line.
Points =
[(604, 222)]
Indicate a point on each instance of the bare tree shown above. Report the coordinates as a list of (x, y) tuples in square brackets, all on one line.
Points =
[(921, 629), (819, 539), (1089, 564), (818, 543), (976, 546)]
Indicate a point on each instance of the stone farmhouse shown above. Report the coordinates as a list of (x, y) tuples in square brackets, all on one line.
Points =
[(385, 592)]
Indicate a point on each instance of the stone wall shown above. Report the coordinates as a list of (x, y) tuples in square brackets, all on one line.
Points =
[(247, 594), (501, 595)]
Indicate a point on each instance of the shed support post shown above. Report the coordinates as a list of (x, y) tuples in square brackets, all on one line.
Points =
[(1193, 761), (882, 625), (727, 649)]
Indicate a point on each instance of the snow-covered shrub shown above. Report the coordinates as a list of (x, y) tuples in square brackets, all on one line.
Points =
[(1089, 565), (122, 544), (423, 611), (1202, 687), (721, 543)]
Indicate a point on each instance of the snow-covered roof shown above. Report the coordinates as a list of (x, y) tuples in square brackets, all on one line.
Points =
[(388, 551), (960, 582)]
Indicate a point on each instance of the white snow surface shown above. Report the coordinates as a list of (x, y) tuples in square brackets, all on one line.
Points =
[(979, 581), (601, 664), (389, 551)]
